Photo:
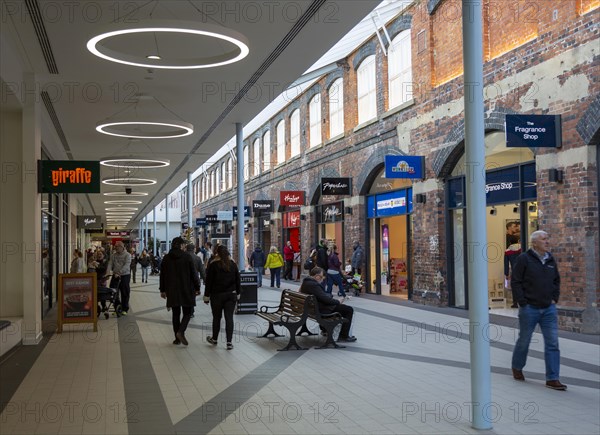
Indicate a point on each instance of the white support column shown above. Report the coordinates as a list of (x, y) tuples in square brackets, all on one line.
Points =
[(154, 248), (31, 215), (479, 318), (168, 237), (239, 138)]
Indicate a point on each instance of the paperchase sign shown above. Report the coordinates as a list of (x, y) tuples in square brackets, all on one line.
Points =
[(533, 131), (291, 197), (336, 186)]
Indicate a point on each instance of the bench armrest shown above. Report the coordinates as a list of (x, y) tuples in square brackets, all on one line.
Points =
[(265, 309)]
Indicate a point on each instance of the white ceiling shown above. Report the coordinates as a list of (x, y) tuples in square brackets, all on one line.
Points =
[(88, 89)]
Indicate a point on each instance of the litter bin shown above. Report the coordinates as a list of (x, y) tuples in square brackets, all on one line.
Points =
[(248, 303)]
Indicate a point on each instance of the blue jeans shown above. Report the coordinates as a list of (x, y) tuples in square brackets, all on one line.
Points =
[(145, 273), (335, 278), (275, 275), (547, 318), (260, 271)]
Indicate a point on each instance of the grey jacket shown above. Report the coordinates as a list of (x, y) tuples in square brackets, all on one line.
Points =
[(120, 263)]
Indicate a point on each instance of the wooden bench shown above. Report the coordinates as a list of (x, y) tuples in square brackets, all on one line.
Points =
[(293, 311)]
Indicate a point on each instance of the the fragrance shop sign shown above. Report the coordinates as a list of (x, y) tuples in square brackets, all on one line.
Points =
[(533, 131), (68, 176)]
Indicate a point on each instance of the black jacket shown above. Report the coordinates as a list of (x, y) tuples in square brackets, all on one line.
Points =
[(219, 280), (258, 258), (179, 279), (322, 257), (326, 302), (534, 283)]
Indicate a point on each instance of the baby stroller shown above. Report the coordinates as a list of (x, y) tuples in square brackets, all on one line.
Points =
[(353, 283), (108, 297)]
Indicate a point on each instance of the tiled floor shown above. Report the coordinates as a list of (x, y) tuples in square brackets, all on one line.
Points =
[(407, 373)]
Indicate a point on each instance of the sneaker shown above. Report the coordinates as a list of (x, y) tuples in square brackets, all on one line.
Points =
[(229, 346), (518, 375), (556, 385), (350, 339), (182, 338), (123, 313), (211, 340), (176, 341)]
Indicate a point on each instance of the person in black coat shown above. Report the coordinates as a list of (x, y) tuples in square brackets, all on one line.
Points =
[(257, 262), (223, 289), (327, 304), (179, 285), (322, 255)]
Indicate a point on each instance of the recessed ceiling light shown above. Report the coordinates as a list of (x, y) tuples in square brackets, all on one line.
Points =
[(237, 50), (129, 181)]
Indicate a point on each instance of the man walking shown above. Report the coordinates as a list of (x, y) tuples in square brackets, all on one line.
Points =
[(288, 256), (535, 285), (358, 258), (120, 267)]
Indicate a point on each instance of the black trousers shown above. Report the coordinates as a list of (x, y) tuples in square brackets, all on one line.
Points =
[(347, 312), (181, 324), (124, 290), (223, 303), (289, 264)]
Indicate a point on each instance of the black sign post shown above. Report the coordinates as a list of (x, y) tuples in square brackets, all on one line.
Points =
[(248, 303)]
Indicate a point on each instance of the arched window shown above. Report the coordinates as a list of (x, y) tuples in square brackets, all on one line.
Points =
[(366, 90), (223, 182), (281, 142), (218, 181), (246, 163), (336, 108), (295, 133), (256, 157), (267, 151), (229, 173), (314, 113), (400, 70)]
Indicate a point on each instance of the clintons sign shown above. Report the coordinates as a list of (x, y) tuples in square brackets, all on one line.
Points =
[(291, 197)]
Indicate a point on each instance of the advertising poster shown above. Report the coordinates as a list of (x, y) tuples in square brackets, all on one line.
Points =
[(77, 298), (399, 275)]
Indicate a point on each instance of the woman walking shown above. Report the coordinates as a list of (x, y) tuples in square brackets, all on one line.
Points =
[(145, 262), (222, 290), (334, 273), (274, 264)]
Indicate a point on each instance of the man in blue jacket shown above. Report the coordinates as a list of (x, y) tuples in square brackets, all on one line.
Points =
[(535, 285)]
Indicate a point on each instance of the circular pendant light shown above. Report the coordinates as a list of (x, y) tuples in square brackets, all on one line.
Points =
[(121, 208), (134, 162), (133, 128), (123, 202), (125, 194), (207, 45), (128, 181)]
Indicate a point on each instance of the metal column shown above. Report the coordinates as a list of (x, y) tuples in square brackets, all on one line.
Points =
[(239, 139), (154, 251), (476, 230), (167, 236)]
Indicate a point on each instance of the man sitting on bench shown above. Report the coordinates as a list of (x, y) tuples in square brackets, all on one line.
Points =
[(327, 304)]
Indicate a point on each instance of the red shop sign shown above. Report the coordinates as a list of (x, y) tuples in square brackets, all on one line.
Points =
[(291, 219), (291, 197)]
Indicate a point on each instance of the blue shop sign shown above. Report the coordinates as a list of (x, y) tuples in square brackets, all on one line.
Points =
[(533, 131), (405, 167), (390, 204), (200, 222)]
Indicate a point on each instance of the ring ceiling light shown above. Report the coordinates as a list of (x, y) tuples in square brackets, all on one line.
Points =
[(121, 208), (136, 129), (125, 194), (123, 202), (133, 162), (129, 181), (206, 39)]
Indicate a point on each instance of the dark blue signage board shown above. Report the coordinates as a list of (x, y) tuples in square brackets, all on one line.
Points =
[(394, 203), (246, 211), (200, 222), (405, 167), (533, 131)]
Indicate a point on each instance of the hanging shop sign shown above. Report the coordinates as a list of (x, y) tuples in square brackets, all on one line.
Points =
[(68, 176), (89, 222), (246, 211), (225, 215), (184, 225), (118, 234), (291, 219), (336, 186), (533, 131), (77, 299), (211, 218), (394, 203), (291, 197), (262, 206), (201, 222), (328, 213), (405, 167)]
